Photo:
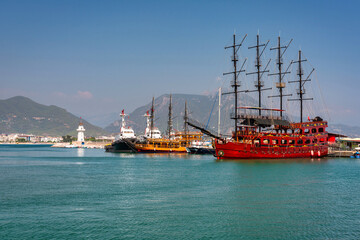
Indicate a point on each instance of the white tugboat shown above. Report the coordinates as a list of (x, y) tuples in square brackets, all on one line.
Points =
[(125, 132), (124, 142)]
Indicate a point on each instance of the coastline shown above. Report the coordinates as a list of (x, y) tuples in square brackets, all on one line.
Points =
[(25, 144), (99, 145)]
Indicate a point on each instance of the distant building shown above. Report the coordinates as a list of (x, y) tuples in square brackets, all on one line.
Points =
[(25, 137), (81, 132), (4, 137), (350, 143), (35, 139), (14, 137)]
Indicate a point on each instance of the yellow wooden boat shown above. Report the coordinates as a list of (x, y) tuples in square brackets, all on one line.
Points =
[(163, 145)]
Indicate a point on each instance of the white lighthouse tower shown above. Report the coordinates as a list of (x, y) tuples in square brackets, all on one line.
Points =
[(81, 133)]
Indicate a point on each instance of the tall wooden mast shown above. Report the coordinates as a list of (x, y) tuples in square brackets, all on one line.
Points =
[(301, 90), (280, 84), (259, 84), (152, 119), (185, 122), (235, 84), (219, 117), (301, 81), (170, 124)]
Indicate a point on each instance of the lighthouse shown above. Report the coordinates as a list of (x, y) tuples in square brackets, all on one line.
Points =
[(81, 133)]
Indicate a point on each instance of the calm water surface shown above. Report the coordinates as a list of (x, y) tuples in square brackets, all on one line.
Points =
[(48, 193)]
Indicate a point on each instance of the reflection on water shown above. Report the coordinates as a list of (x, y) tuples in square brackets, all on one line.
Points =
[(125, 155), (154, 155), (165, 155), (275, 160), (37, 163), (80, 152)]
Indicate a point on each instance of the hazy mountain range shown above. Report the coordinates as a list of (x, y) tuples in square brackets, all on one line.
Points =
[(22, 115), (200, 107), (205, 110), (350, 131)]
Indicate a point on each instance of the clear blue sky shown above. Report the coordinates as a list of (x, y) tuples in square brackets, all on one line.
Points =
[(98, 57)]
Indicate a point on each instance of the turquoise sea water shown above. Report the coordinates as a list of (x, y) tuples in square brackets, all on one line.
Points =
[(48, 193)]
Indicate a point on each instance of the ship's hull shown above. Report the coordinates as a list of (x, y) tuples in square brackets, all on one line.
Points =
[(164, 145), (122, 146), (200, 150), (155, 149), (237, 150)]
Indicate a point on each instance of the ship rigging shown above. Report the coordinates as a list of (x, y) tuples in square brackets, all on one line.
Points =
[(269, 135)]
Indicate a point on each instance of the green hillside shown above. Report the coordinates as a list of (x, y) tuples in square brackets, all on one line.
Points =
[(22, 115)]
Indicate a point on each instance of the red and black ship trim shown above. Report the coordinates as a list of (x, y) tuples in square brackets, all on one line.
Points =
[(299, 140)]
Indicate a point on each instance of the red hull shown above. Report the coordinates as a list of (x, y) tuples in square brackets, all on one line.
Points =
[(236, 150), (309, 141)]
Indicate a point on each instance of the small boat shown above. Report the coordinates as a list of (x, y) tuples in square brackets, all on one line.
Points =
[(201, 147), (355, 155)]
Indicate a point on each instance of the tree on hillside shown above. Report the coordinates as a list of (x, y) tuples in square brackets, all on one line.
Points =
[(67, 138)]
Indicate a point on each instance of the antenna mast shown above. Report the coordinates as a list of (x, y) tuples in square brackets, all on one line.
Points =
[(280, 85), (235, 84), (301, 81)]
